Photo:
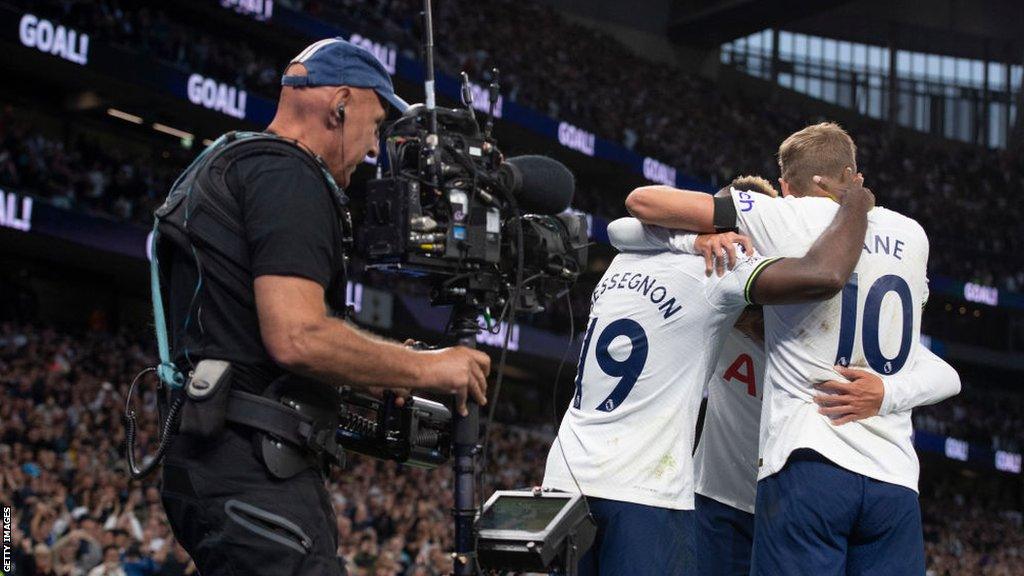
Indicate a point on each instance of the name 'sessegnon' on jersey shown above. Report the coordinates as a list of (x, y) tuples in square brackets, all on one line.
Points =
[(651, 341)]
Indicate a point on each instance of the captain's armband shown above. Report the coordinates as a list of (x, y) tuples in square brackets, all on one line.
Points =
[(725, 214)]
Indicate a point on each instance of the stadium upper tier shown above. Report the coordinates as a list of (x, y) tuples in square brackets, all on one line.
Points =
[(661, 122)]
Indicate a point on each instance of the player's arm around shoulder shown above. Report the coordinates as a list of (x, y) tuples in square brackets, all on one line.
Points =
[(821, 273), (718, 250), (672, 208), (631, 235), (777, 226), (727, 290)]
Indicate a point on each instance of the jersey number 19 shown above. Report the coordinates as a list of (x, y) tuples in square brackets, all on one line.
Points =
[(627, 370)]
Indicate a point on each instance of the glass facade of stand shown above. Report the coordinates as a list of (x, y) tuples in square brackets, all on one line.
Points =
[(958, 98)]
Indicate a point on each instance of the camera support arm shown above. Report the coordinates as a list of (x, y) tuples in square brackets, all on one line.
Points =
[(465, 451)]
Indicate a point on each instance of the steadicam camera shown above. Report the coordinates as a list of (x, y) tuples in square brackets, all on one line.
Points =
[(492, 236), (450, 207)]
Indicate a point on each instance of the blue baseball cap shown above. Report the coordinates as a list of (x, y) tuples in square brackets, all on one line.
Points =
[(337, 62)]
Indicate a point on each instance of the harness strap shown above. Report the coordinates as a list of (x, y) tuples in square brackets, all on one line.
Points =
[(166, 370)]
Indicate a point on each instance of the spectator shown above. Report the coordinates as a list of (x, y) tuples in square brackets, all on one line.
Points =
[(576, 74), (76, 512), (111, 565)]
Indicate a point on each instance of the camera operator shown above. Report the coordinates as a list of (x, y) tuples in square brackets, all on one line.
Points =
[(258, 285)]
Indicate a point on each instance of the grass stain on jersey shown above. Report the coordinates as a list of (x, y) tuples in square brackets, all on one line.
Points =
[(665, 464)]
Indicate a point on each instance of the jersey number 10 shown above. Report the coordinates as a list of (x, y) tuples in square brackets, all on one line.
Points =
[(627, 370), (872, 310)]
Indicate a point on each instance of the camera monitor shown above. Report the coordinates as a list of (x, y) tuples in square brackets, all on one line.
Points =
[(532, 530)]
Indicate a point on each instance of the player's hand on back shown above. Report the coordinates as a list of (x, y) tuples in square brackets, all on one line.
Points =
[(718, 248), (849, 188), (857, 399)]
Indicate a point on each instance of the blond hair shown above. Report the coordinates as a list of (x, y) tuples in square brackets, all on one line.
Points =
[(752, 183), (823, 149)]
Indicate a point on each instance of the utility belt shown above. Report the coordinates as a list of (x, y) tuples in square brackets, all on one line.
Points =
[(296, 419)]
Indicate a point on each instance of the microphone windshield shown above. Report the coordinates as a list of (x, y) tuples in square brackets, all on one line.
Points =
[(541, 185)]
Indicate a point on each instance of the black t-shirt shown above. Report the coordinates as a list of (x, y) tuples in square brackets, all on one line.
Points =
[(292, 229)]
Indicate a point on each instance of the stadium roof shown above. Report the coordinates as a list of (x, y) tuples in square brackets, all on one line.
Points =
[(985, 29)]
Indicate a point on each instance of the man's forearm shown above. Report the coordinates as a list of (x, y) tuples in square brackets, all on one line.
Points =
[(672, 208), (930, 380), (822, 272), (632, 235), (334, 351), (301, 337), (835, 253)]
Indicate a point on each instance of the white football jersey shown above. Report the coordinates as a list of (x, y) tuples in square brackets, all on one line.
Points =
[(872, 324), (653, 337), (725, 464)]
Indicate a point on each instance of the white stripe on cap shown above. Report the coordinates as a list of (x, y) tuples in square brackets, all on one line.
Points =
[(313, 49)]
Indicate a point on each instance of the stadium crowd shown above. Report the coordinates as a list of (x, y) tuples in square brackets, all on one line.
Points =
[(978, 415), (972, 526), (572, 72), (79, 172), (142, 27), (77, 513)]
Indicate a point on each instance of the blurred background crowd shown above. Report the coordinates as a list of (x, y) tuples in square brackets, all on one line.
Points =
[(76, 512), (62, 470), (567, 71)]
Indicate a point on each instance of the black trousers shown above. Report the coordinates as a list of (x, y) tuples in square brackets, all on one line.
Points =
[(235, 519)]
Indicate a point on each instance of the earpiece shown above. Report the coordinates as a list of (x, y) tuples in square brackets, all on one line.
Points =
[(340, 110)]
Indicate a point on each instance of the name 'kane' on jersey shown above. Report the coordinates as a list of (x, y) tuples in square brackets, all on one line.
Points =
[(872, 324), (650, 344)]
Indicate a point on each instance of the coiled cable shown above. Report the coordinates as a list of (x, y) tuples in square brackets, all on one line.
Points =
[(166, 436)]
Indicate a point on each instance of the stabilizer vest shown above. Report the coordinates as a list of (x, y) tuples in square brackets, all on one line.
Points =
[(202, 217), (297, 421)]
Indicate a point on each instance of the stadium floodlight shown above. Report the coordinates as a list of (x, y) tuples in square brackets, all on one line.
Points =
[(121, 114), (171, 130)]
